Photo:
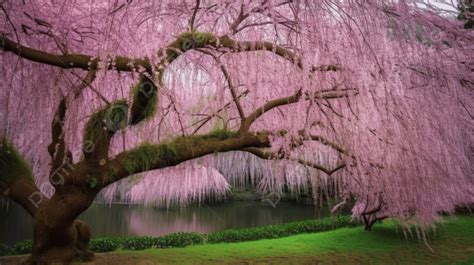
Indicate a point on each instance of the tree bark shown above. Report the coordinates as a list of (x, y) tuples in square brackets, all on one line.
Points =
[(58, 237)]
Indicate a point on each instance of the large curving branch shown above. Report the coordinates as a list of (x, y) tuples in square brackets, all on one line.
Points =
[(25, 193), (270, 155), (147, 157), (57, 148), (186, 41), (16, 179), (298, 96), (70, 61), (249, 46)]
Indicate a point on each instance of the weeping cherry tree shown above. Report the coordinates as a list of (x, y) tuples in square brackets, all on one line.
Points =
[(369, 103)]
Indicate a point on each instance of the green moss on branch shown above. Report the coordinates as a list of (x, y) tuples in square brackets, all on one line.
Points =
[(103, 124), (188, 41), (218, 134), (12, 165), (145, 100), (148, 156)]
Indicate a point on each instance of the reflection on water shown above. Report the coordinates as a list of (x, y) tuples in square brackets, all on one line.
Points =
[(123, 219)]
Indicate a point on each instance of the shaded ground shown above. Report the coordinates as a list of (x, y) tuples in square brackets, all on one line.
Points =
[(452, 242)]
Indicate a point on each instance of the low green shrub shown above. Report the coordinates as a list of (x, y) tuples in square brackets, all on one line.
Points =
[(183, 239), (101, 245), (23, 247), (138, 243), (281, 230), (5, 250)]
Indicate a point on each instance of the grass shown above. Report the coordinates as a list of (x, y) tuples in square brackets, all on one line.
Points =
[(453, 243)]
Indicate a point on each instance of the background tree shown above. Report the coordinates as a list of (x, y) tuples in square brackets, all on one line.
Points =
[(466, 12), (368, 101)]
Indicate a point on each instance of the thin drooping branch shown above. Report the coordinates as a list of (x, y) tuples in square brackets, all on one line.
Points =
[(298, 96), (234, 26), (240, 18), (270, 155), (327, 142), (205, 120), (85, 82), (232, 91), (232, 88), (193, 17), (322, 168)]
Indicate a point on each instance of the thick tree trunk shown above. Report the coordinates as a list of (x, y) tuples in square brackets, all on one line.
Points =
[(58, 237), (60, 245)]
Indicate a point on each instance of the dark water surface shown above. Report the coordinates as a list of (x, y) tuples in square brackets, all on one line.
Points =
[(132, 220)]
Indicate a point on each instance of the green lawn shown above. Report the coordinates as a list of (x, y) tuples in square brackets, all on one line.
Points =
[(453, 243)]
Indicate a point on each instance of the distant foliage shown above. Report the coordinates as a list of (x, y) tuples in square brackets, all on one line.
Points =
[(6, 250)]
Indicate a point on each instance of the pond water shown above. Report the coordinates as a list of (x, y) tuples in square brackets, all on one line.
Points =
[(133, 220)]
